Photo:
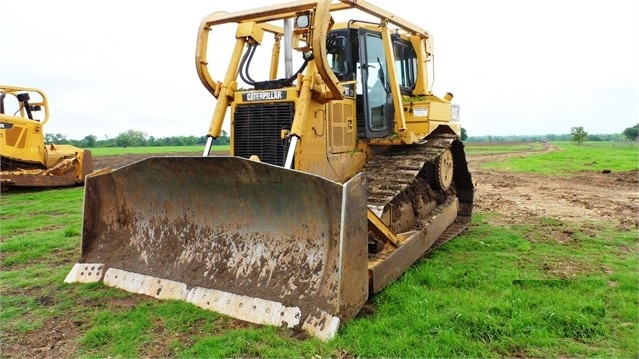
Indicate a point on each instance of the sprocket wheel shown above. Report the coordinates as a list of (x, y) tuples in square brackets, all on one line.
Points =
[(444, 175)]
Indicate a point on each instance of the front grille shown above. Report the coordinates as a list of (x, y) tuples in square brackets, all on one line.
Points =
[(257, 130)]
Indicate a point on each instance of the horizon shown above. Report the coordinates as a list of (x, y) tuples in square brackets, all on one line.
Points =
[(514, 67)]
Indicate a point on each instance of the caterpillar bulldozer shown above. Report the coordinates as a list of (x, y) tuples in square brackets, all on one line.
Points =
[(26, 160), (340, 176)]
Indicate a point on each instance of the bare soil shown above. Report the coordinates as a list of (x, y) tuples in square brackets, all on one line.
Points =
[(585, 197), (520, 198)]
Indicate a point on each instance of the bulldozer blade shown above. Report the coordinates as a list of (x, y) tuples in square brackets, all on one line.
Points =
[(247, 239)]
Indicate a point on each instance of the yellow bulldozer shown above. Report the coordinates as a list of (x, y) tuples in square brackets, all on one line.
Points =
[(340, 176), (26, 160)]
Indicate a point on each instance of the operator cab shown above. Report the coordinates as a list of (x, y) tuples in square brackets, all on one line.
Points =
[(358, 54)]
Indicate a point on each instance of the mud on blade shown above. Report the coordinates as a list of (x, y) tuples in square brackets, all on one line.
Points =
[(247, 239)]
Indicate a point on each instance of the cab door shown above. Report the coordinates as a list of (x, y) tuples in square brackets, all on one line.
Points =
[(374, 85)]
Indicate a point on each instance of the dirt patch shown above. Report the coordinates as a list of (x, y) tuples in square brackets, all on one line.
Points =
[(57, 338), (588, 196), (114, 162)]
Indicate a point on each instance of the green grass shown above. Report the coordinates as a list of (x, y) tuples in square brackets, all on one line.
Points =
[(150, 150), (496, 291), (490, 293), (570, 158)]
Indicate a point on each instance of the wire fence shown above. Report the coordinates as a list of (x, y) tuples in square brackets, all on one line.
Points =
[(624, 143)]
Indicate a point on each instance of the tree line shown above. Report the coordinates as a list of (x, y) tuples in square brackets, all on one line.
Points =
[(135, 138), (577, 134)]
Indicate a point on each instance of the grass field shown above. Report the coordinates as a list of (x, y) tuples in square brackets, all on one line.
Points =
[(151, 150), (489, 293), (570, 158)]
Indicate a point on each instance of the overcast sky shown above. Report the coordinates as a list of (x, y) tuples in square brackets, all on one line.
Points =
[(515, 67)]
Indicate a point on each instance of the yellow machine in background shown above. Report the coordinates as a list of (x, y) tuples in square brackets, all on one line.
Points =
[(26, 160), (341, 175)]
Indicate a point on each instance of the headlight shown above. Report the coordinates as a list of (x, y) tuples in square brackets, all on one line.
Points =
[(454, 113), (302, 21)]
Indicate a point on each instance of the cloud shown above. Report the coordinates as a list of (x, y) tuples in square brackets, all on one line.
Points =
[(515, 67)]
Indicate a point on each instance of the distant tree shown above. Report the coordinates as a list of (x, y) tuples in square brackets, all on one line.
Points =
[(578, 135), (176, 141), (131, 138), (189, 140), (58, 139), (464, 135), (223, 139), (632, 133), (90, 140)]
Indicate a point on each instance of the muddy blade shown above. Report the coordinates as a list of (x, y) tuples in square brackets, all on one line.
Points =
[(247, 239)]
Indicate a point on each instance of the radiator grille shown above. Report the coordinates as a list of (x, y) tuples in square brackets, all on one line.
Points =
[(257, 131)]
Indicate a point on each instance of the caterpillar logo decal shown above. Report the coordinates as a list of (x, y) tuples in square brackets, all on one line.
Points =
[(264, 95)]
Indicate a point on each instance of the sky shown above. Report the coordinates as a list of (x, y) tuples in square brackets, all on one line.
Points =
[(515, 67)]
